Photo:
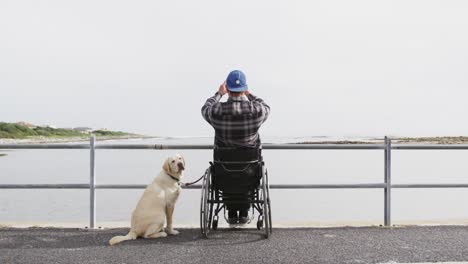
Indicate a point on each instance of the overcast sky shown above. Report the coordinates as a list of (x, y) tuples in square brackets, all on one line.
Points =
[(325, 67)]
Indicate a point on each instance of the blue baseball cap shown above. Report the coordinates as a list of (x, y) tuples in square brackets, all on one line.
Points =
[(236, 81)]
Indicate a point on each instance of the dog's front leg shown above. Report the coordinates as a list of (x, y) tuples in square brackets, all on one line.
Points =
[(169, 212)]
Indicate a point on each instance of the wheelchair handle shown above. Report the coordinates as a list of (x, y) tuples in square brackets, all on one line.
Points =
[(236, 162)]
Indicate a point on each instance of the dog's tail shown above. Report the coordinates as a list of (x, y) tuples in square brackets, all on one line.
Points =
[(117, 239)]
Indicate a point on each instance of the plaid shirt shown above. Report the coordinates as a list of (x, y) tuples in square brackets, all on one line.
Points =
[(237, 121)]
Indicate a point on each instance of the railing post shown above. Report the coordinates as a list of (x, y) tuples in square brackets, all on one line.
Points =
[(388, 182), (92, 183)]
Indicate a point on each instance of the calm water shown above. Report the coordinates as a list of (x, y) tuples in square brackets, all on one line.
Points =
[(290, 207)]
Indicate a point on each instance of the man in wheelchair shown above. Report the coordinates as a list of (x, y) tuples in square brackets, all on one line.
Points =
[(236, 123)]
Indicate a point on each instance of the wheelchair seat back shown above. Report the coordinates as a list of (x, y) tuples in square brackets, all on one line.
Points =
[(236, 170)]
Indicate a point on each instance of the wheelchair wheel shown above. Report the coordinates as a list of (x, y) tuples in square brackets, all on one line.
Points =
[(205, 206), (266, 205), (268, 200), (260, 224)]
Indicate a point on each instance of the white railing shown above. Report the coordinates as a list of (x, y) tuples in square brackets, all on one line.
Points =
[(92, 186)]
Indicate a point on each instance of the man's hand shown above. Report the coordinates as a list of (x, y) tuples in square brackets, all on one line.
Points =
[(222, 89)]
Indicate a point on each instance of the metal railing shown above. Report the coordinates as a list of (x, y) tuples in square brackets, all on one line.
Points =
[(386, 185)]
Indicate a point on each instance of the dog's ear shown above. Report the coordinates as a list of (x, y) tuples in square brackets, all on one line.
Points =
[(166, 166), (183, 160)]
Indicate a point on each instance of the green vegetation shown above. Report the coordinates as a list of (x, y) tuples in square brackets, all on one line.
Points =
[(19, 131), (107, 133)]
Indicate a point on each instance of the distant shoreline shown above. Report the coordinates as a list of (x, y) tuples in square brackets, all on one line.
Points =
[(398, 140), (41, 140), (23, 132), (395, 140)]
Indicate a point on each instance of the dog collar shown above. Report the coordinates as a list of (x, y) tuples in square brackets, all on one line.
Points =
[(174, 178)]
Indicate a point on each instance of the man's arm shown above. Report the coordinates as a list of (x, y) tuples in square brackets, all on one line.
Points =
[(261, 108), (211, 105)]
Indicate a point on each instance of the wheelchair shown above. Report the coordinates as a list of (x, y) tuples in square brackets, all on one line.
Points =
[(235, 176)]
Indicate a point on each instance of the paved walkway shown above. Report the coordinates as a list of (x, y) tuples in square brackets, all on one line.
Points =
[(308, 245)]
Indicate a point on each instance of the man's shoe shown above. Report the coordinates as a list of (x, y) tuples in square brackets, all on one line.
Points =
[(243, 217), (232, 217), (233, 221), (243, 220)]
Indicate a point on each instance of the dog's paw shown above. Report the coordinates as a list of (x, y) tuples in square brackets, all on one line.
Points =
[(163, 234), (172, 232)]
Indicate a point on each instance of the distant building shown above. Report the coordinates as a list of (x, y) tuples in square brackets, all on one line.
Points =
[(85, 130)]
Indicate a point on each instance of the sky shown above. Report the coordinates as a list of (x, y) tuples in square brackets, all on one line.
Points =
[(326, 68)]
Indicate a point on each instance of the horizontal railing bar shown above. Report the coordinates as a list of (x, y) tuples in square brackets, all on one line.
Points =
[(208, 146), (233, 201), (323, 146), (272, 186), (198, 186), (152, 146), (120, 186), (328, 186), (44, 146), (435, 185), (45, 186)]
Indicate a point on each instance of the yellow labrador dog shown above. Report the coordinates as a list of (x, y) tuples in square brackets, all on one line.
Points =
[(157, 203)]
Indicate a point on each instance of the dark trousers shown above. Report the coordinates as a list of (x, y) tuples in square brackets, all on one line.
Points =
[(237, 206)]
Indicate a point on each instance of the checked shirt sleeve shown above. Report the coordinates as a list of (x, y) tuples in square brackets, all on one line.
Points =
[(261, 109), (211, 106)]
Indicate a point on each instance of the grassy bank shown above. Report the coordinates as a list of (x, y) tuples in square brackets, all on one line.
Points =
[(15, 131)]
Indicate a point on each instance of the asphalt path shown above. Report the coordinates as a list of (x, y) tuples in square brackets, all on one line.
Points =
[(303, 245)]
